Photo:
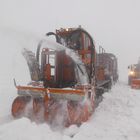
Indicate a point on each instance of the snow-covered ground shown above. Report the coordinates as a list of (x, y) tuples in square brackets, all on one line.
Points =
[(116, 118)]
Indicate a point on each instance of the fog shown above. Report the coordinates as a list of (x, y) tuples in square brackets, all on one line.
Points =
[(113, 24)]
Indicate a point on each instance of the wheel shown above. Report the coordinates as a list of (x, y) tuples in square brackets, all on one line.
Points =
[(38, 105), (19, 105), (77, 113), (38, 109), (51, 111)]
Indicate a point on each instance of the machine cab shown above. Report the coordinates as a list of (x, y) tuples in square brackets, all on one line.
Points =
[(58, 69), (79, 41)]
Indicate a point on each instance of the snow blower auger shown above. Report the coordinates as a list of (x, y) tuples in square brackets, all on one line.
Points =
[(63, 79), (134, 75)]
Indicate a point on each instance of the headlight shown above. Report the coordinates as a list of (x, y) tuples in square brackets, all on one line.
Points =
[(131, 73), (67, 29)]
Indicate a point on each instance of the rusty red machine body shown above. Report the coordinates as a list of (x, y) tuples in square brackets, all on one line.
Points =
[(62, 79), (134, 75), (67, 78), (106, 70)]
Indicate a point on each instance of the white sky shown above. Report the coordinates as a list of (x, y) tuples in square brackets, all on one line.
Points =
[(113, 24)]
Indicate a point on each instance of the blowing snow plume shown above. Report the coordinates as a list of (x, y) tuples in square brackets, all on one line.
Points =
[(80, 68), (33, 63)]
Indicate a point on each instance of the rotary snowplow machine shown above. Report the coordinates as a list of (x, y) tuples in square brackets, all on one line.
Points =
[(134, 75), (61, 84)]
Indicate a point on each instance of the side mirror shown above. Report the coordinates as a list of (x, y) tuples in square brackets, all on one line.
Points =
[(50, 33)]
